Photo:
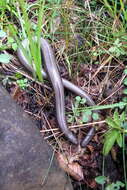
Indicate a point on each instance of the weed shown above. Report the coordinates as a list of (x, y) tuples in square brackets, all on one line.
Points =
[(10, 42), (109, 186), (116, 130), (117, 48), (23, 83), (117, 9), (2, 34), (83, 115), (19, 6), (5, 58)]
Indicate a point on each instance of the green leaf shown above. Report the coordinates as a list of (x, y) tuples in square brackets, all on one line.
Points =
[(85, 117), (100, 180), (120, 184), (78, 98), (112, 123), (125, 71), (110, 139), (125, 81), (112, 49), (95, 116), (121, 105), (83, 101), (124, 99), (115, 186), (111, 187), (5, 58), (123, 117), (119, 140), (125, 125), (10, 39), (18, 75), (2, 34), (88, 112), (125, 91), (14, 46), (116, 118), (117, 42), (25, 80), (70, 119)]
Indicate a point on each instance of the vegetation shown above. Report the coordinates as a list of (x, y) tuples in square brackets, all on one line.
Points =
[(90, 41)]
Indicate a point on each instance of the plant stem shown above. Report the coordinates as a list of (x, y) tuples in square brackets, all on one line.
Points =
[(103, 170), (124, 163)]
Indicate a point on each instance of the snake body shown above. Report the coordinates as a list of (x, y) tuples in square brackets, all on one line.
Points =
[(58, 84)]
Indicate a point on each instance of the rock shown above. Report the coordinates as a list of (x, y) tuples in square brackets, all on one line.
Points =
[(25, 159)]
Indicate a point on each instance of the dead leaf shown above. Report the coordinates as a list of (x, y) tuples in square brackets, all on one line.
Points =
[(96, 139), (91, 148), (114, 154), (72, 168), (93, 184), (16, 92)]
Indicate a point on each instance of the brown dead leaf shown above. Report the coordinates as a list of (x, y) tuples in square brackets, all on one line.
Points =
[(16, 92), (86, 157), (96, 139), (114, 154), (91, 148), (72, 168), (93, 184), (19, 95)]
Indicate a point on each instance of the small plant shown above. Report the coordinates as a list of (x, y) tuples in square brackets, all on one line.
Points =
[(5, 58), (23, 83), (117, 48), (82, 115), (12, 43), (102, 180), (116, 130), (76, 113), (34, 55)]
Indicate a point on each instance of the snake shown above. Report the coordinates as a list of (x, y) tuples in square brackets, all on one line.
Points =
[(58, 83)]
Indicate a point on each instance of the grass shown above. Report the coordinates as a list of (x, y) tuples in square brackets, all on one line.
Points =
[(90, 42), (34, 56)]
